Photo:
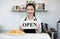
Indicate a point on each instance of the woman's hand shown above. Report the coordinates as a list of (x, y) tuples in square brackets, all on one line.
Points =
[(37, 28), (21, 28)]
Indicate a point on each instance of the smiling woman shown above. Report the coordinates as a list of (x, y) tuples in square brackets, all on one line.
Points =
[(30, 20)]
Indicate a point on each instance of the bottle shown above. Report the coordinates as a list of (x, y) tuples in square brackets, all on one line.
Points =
[(43, 6)]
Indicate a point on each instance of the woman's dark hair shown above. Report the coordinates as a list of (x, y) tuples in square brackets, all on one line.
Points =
[(31, 4)]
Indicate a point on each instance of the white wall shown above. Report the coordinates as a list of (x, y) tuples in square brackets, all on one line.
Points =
[(9, 20)]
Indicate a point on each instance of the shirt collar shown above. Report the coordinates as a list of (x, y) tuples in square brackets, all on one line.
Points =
[(32, 19)]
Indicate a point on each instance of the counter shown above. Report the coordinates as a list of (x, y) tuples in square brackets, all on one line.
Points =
[(5, 35), (24, 36)]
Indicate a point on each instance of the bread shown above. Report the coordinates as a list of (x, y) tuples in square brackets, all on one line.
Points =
[(15, 31)]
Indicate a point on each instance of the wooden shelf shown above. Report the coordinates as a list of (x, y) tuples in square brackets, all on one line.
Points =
[(25, 11)]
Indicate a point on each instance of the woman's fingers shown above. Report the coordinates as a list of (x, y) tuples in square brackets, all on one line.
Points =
[(21, 27)]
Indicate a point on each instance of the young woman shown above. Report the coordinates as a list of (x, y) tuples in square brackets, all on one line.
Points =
[(32, 24)]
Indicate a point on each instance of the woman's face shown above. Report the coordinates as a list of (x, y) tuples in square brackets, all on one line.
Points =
[(30, 10)]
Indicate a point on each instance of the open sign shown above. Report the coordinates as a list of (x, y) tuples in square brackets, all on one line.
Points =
[(31, 25)]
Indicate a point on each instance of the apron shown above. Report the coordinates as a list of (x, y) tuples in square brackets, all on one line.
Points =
[(30, 30)]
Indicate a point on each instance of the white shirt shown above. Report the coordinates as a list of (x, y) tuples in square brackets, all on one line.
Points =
[(27, 22)]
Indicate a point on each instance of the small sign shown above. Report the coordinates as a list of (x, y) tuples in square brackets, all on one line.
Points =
[(29, 25)]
